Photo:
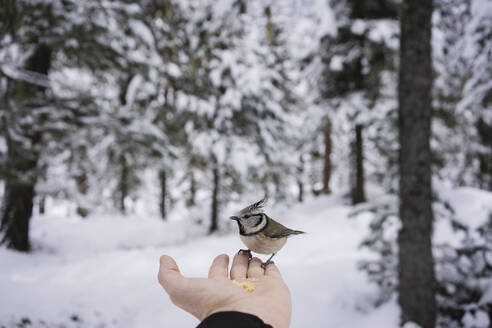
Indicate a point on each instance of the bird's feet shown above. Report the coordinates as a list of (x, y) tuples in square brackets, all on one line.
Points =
[(247, 251), (264, 264)]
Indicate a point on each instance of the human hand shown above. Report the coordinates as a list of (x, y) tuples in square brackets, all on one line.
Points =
[(270, 301)]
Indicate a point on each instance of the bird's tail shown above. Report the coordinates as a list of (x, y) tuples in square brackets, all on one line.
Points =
[(296, 232)]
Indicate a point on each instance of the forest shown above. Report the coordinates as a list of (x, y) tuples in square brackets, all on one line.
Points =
[(133, 128)]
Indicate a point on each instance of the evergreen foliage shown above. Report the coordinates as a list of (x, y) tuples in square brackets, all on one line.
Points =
[(121, 105)]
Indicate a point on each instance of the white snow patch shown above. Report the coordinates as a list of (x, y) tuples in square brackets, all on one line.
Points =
[(102, 270)]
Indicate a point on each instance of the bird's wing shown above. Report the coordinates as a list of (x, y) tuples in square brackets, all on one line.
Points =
[(277, 230), (254, 208)]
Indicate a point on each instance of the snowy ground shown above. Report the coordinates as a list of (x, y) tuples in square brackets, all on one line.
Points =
[(101, 272)]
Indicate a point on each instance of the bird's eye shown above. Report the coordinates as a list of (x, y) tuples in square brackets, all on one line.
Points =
[(247, 216)]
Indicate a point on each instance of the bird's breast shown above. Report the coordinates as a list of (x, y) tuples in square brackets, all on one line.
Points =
[(261, 244)]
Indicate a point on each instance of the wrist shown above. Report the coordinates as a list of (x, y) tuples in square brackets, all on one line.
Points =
[(234, 319), (273, 317)]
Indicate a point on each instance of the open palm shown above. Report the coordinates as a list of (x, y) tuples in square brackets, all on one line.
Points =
[(201, 297)]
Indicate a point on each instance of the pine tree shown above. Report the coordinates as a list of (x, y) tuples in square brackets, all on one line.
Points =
[(464, 92), (41, 112), (357, 85), (23, 142)]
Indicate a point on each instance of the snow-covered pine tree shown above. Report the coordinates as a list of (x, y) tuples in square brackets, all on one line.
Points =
[(241, 129), (463, 89), (358, 83), (462, 265), (41, 38)]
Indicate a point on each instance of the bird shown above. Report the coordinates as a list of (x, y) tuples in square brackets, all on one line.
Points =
[(260, 233)]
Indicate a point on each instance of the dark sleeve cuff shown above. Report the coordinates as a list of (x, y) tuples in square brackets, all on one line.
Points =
[(232, 319)]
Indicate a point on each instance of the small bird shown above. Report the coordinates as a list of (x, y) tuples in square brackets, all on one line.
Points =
[(260, 233)]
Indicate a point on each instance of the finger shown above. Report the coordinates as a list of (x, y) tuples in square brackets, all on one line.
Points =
[(255, 270), (239, 266), (272, 271), (218, 270), (169, 275)]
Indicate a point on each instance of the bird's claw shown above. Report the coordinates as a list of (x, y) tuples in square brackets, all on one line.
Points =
[(264, 264), (247, 251)]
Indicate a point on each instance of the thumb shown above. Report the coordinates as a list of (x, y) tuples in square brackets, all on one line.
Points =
[(169, 275)]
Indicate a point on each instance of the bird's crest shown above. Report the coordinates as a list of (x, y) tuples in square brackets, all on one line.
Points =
[(254, 208)]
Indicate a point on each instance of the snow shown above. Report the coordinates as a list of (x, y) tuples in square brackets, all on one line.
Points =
[(474, 205), (19, 73), (479, 319), (102, 270), (411, 325)]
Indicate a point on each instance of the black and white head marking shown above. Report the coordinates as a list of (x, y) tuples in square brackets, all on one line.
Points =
[(251, 224), (251, 219)]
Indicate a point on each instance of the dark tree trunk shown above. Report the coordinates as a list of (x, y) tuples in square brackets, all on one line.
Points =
[(83, 188), (123, 183), (162, 180), (358, 189), (242, 6), (300, 184), (215, 200), (489, 311), (484, 131), (42, 197), (17, 207), (327, 167), (42, 205), (22, 158), (124, 174), (416, 267), (191, 200)]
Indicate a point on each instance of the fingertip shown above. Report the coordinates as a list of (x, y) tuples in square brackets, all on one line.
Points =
[(164, 259), (239, 266), (255, 262), (256, 259), (224, 257), (169, 275), (255, 269), (168, 263), (242, 254), (221, 260), (218, 269)]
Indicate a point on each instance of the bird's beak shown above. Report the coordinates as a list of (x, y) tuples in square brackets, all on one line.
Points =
[(234, 218)]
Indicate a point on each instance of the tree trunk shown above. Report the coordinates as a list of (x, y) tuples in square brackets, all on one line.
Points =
[(358, 189), (300, 184), (416, 267), (191, 200), (22, 156), (242, 6), (83, 188), (327, 167), (17, 207), (123, 183), (215, 200), (42, 205), (489, 312), (42, 197), (484, 132), (162, 180)]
